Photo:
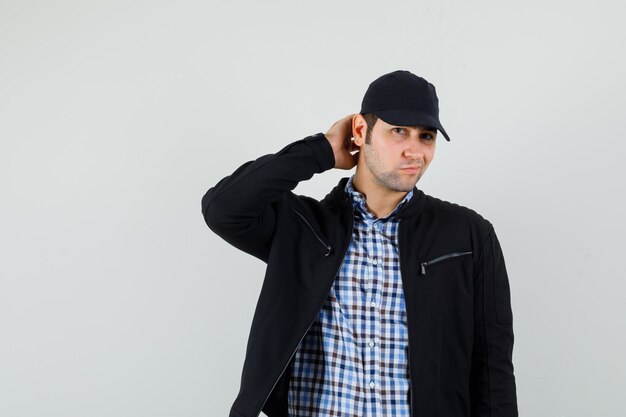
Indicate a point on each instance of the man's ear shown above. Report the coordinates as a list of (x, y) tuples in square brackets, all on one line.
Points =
[(359, 127)]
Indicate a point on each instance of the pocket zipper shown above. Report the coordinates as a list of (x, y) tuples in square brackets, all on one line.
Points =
[(322, 241), (441, 258)]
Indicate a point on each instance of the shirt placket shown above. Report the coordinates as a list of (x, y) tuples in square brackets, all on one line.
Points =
[(374, 247), (371, 334)]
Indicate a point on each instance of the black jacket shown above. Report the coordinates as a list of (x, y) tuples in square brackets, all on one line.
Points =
[(456, 288)]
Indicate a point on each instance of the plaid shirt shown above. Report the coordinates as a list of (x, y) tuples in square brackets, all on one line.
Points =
[(353, 360)]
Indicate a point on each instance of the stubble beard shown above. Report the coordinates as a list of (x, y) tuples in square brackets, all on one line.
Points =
[(392, 180)]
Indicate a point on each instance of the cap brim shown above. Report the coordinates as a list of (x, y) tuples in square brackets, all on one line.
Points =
[(410, 118)]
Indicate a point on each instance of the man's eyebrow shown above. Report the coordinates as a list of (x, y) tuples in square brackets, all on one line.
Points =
[(422, 127)]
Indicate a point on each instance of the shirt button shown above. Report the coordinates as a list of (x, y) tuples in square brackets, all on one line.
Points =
[(372, 384), (373, 303), (372, 343), (374, 261)]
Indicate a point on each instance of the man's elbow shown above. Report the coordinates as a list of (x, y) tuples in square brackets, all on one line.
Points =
[(213, 215)]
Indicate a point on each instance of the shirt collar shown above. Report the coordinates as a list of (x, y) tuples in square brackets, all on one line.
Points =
[(358, 200)]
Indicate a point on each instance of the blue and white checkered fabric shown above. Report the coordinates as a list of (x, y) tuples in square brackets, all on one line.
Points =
[(353, 360)]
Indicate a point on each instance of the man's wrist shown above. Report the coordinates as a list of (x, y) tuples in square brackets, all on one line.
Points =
[(322, 149)]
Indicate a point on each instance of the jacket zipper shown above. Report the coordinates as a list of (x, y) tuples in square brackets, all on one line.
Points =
[(441, 258), (408, 332), (318, 309), (322, 241)]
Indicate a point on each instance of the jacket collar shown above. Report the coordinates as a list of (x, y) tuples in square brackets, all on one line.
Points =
[(339, 198)]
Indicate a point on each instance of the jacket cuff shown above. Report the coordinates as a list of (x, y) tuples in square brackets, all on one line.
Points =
[(322, 149)]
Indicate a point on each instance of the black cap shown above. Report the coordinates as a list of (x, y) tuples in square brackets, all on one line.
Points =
[(402, 98)]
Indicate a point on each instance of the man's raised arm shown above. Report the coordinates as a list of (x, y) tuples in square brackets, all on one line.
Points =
[(239, 208)]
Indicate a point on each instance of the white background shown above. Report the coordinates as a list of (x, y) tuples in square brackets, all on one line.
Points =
[(116, 117)]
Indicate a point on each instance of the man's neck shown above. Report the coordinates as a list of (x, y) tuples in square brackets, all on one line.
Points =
[(380, 201)]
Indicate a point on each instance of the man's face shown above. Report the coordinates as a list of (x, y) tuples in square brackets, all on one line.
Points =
[(392, 148)]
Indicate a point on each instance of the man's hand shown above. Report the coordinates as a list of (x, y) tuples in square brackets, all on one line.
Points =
[(340, 137)]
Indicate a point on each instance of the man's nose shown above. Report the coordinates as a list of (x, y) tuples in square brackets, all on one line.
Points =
[(414, 152)]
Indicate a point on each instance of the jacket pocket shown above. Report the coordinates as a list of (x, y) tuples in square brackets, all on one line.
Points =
[(322, 240), (442, 258)]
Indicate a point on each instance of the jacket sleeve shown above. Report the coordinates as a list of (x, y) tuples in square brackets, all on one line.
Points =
[(492, 382), (240, 208)]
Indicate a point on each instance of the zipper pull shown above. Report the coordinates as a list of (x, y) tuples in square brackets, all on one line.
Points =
[(423, 268)]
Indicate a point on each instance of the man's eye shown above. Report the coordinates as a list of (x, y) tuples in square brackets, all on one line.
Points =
[(398, 128)]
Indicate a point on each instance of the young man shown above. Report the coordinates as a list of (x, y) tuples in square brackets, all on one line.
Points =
[(378, 300)]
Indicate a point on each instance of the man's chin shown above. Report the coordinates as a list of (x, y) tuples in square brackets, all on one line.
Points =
[(398, 183), (405, 188)]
